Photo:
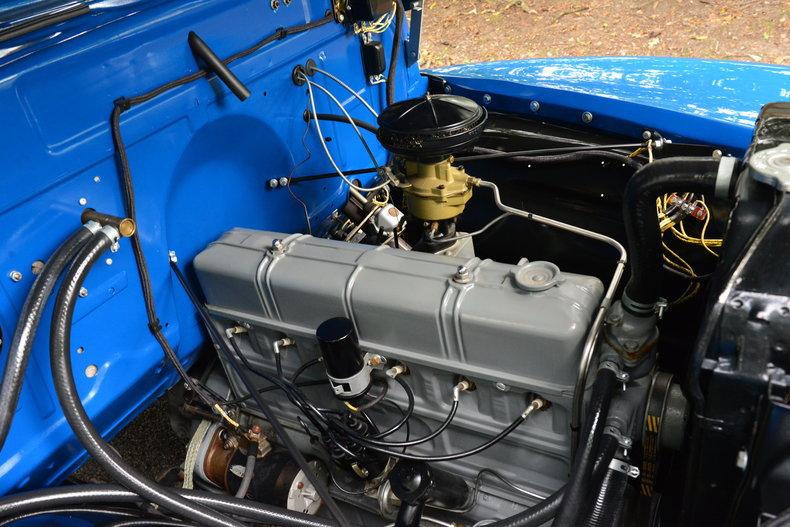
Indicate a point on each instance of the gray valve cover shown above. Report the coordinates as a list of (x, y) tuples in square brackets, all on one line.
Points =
[(411, 307)]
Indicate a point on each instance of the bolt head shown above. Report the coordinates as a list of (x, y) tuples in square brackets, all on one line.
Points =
[(15, 276), (717, 154), (83, 292), (646, 135), (273, 183), (83, 201), (283, 181), (534, 106), (447, 88), (36, 267), (96, 179), (587, 117), (115, 247), (486, 99), (502, 387)]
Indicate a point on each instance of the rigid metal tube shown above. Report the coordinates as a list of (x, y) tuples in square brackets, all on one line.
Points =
[(109, 494), (595, 329)]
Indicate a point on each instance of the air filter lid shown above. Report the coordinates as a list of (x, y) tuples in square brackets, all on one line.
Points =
[(431, 127)]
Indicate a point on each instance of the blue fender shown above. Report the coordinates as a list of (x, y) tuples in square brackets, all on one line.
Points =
[(686, 100)]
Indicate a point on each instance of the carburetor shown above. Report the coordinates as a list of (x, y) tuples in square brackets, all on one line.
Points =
[(423, 134)]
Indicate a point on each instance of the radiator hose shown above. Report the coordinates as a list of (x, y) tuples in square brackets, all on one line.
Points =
[(547, 509), (29, 318), (608, 505), (60, 358), (675, 174), (578, 488)]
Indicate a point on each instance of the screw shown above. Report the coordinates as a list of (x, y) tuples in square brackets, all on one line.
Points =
[(96, 179), (717, 154), (273, 183), (83, 201), (83, 292), (36, 267), (502, 387), (462, 275), (91, 370), (646, 135), (80, 350), (534, 106), (16, 276), (108, 261), (447, 88), (486, 99), (275, 5), (587, 117), (283, 181)]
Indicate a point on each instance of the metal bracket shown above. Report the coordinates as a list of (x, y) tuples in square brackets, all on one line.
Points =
[(415, 33), (621, 466)]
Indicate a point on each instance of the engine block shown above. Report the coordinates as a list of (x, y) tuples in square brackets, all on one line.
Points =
[(419, 309)]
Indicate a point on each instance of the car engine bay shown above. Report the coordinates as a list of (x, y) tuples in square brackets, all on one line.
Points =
[(502, 320)]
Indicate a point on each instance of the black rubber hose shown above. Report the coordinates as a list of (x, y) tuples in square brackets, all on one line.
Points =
[(578, 487), (676, 174), (570, 157), (27, 325), (608, 505), (114, 494), (396, 42), (106, 456), (370, 127), (544, 511)]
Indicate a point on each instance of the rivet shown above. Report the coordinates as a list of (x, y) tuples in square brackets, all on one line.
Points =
[(91, 370), (83, 201), (108, 261)]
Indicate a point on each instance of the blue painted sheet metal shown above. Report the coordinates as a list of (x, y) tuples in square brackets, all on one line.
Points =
[(688, 100), (200, 160)]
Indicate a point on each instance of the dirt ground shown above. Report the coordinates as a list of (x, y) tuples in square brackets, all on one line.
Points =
[(455, 32)]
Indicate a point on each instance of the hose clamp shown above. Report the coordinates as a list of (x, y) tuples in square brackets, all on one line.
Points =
[(621, 466), (92, 226), (112, 233), (637, 308), (612, 366), (625, 442)]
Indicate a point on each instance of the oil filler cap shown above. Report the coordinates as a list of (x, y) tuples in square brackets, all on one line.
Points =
[(537, 276)]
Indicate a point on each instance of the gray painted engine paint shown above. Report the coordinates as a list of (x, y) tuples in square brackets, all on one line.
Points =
[(406, 306)]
